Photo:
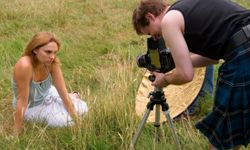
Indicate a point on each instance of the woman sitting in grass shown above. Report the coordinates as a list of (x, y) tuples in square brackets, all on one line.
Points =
[(35, 98)]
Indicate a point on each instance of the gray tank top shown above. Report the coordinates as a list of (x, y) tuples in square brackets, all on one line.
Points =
[(38, 91)]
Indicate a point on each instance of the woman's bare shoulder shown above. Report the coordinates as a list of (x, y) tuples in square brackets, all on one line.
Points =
[(23, 67)]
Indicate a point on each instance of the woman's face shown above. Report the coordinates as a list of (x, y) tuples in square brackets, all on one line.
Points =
[(47, 53)]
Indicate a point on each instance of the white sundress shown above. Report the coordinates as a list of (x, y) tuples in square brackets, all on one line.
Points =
[(45, 105)]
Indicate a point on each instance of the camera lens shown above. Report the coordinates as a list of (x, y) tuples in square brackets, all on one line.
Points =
[(142, 61)]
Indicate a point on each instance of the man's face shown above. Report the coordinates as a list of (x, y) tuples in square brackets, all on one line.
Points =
[(154, 27)]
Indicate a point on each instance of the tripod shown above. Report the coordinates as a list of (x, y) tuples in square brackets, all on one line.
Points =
[(157, 98)]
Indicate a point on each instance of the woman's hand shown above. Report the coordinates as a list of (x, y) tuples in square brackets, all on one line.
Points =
[(16, 131), (18, 119)]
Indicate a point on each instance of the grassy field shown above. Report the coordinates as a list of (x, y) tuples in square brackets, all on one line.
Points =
[(98, 54)]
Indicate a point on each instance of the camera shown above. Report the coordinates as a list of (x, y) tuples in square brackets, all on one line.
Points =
[(158, 58)]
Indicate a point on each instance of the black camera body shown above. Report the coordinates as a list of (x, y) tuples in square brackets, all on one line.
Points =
[(158, 58)]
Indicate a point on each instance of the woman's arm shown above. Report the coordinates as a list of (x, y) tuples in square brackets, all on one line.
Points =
[(59, 83), (22, 75)]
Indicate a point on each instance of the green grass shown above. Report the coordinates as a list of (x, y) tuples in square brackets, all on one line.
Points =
[(98, 54)]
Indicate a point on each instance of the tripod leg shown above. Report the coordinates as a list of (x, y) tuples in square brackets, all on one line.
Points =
[(157, 115), (167, 115), (157, 123), (139, 129)]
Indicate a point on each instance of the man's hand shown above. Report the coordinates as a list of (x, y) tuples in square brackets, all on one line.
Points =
[(160, 80)]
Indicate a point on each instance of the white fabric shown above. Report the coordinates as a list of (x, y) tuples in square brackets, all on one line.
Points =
[(53, 112)]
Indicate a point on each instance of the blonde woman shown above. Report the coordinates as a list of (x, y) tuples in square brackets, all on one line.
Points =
[(40, 93)]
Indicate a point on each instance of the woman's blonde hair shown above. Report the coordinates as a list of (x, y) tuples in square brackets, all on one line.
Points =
[(40, 39)]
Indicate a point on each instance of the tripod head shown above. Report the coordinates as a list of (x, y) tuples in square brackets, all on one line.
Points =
[(157, 96)]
